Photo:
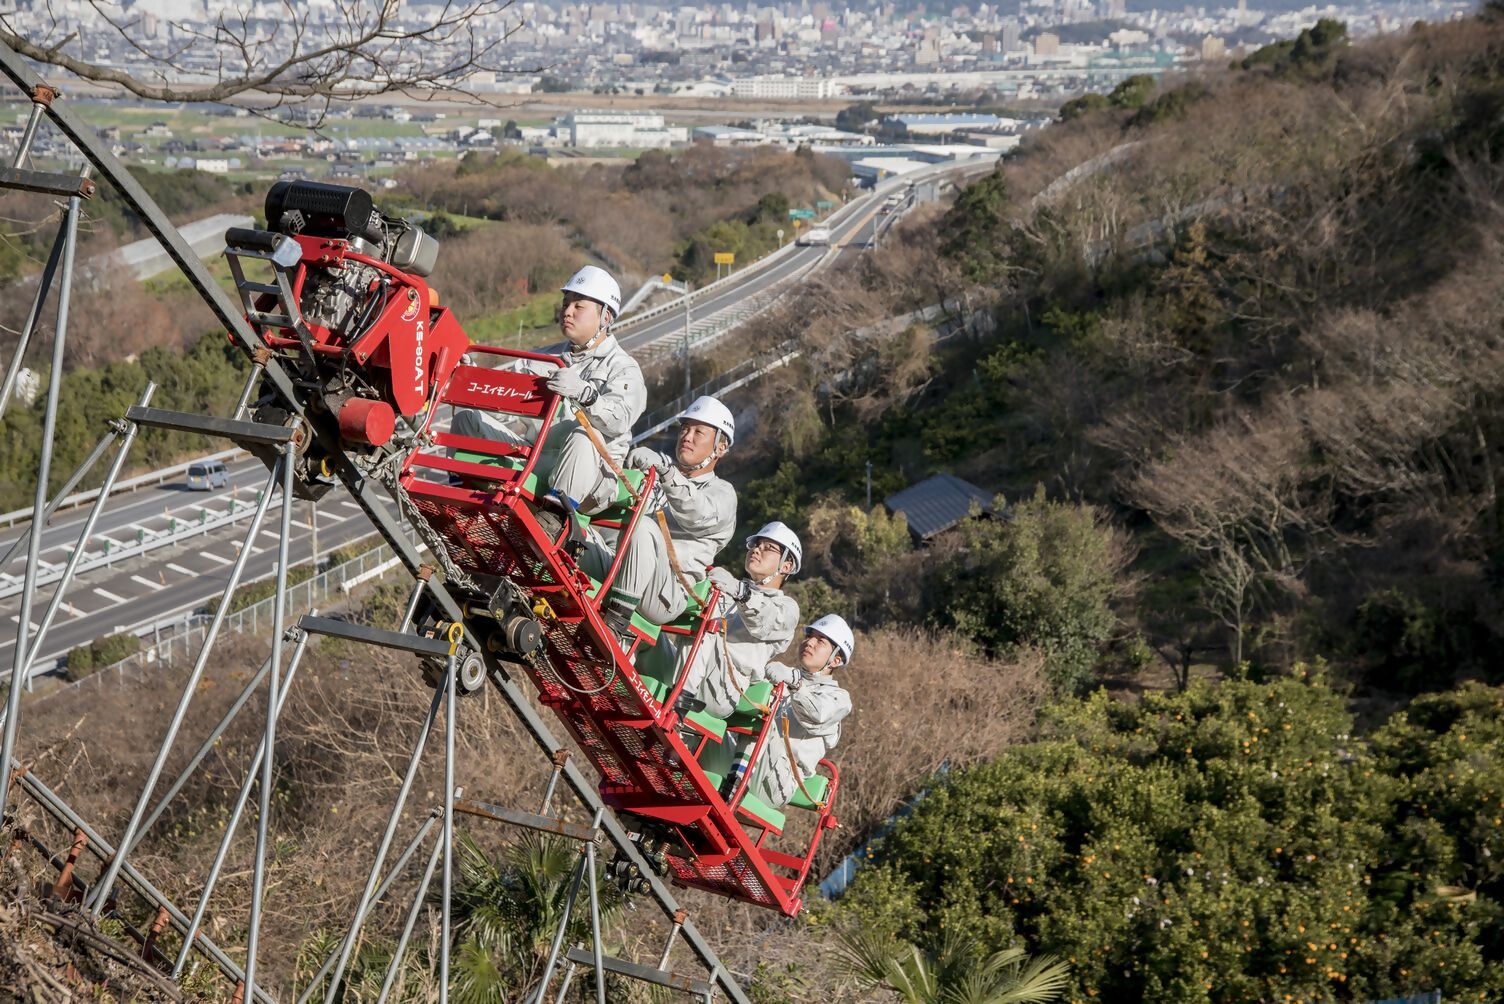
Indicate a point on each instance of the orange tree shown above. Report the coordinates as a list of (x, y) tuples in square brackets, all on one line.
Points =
[(1233, 843)]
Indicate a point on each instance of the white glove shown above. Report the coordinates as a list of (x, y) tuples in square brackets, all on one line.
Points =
[(568, 382), (778, 673), (642, 458), (730, 585), (656, 500)]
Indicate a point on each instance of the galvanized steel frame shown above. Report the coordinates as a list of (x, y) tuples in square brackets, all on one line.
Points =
[(366, 494)]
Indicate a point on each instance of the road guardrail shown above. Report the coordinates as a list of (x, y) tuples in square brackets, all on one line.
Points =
[(156, 477)]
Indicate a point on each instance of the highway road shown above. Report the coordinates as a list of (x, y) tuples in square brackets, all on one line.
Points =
[(169, 580), (181, 577)]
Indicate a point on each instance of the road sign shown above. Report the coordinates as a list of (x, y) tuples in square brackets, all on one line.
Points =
[(725, 258), (801, 214), (824, 204)]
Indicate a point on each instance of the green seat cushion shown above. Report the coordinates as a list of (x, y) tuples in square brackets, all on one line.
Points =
[(760, 692), (688, 620), (620, 508), (510, 463), (707, 722), (817, 785), (715, 762)]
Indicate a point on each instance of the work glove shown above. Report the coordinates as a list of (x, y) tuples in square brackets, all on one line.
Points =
[(787, 675), (730, 585), (656, 500), (568, 382), (643, 458)]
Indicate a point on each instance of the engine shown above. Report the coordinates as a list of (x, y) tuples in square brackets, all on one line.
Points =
[(330, 297), (349, 307)]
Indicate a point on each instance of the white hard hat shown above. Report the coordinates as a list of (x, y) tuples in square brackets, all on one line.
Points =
[(595, 284), (713, 413), (780, 534), (836, 629)]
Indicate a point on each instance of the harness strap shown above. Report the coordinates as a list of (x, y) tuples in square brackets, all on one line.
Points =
[(668, 540)]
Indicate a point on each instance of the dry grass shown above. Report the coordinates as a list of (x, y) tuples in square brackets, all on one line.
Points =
[(343, 744)]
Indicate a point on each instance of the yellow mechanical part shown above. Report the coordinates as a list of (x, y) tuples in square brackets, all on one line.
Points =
[(542, 609)]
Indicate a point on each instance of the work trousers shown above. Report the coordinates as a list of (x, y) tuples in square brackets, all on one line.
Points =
[(645, 572)]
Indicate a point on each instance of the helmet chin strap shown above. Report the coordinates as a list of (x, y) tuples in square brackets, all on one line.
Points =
[(709, 459), (782, 557), (600, 333)]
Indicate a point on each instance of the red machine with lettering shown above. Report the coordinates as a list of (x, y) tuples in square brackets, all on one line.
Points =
[(346, 306)]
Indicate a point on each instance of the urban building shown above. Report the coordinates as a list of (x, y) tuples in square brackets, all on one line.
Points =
[(783, 88), (642, 130)]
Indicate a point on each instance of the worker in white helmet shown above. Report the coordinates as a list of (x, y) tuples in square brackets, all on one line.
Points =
[(599, 378), (807, 722), (700, 510), (760, 620)]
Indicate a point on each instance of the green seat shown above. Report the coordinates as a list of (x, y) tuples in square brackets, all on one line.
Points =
[(704, 720), (689, 620), (747, 713), (620, 509), (513, 463), (817, 784), (716, 763)]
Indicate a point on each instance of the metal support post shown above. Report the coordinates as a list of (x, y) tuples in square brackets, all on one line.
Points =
[(102, 890), (44, 470), (560, 758), (269, 743), (673, 935), (412, 606), (386, 844), (450, 688), (569, 972), (78, 550), (558, 942), (23, 148), (596, 953), (44, 286), (412, 915), (233, 823), (244, 402)]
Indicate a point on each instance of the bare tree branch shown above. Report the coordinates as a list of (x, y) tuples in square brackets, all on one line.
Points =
[(368, 47)]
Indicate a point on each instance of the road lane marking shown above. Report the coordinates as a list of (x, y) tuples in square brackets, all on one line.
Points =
[(108, 595), (147, 582), (17, 618), (349, 505), (214, 557), (180, 569), (270, 533)]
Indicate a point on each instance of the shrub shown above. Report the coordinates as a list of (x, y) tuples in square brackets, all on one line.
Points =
[(1232, 843), (1045, 576), (101, 652), (81, 661), (112, 648)]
